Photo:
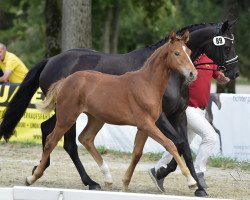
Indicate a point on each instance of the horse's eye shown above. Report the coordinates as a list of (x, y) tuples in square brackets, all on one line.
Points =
[(227, 50), (176, 53)]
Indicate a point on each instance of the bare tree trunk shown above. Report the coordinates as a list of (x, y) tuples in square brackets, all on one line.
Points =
[(231, 12), (115, 28), (76, 24), (53, 27), (106, 32)]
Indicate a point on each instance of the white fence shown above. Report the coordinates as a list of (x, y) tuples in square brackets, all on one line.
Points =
[(35, 193)]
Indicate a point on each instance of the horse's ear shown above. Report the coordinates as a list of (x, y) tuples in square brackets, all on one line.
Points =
[(172, 36), (232, 22), (224, 26), (185, 36)]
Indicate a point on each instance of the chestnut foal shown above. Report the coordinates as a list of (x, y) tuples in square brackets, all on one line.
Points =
[(134, 98)]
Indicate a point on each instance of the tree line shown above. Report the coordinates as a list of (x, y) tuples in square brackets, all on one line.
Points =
[(43, 28)]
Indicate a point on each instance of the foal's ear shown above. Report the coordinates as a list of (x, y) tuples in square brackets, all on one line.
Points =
[(185, 37), (172, 36)]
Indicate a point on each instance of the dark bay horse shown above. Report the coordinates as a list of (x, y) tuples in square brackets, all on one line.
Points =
[(172, 121), (136, 100)]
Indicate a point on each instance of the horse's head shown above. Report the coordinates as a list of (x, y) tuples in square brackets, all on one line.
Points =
[(178, 56), (222, 50)]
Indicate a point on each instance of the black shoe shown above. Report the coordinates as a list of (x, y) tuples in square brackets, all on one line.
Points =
[(161, 173), (158, 183), (201, 179)]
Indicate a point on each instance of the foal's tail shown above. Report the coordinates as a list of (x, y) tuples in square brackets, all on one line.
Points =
[(49, 103), (20, 101)]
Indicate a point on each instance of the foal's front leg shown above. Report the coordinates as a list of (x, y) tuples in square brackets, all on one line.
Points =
[(152, 131), (71, 148), (140, 140)]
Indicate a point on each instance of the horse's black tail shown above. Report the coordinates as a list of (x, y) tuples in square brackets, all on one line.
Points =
[(20, 101)]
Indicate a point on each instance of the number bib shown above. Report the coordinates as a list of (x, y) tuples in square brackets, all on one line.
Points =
[(219, 41)]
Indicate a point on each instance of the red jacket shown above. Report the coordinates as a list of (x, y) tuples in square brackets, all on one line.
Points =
[(199, 90)]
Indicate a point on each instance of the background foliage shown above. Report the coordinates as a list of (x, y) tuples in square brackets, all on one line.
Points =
[(141, 22)]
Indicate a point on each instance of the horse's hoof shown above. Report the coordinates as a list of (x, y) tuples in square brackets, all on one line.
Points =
[(200, 193), (193, 187), (95, 187), (108, 184), (33, 170)]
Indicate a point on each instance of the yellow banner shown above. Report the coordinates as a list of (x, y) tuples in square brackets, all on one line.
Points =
[(28, 129)]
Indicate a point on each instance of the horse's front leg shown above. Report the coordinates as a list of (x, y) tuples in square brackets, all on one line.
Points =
[(139, 143), (185, 150), (71, 148)]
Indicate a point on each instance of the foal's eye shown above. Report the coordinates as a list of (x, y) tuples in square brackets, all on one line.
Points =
[(176, 53)]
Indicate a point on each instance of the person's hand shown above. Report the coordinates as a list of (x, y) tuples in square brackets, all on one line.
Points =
[(222, 79)]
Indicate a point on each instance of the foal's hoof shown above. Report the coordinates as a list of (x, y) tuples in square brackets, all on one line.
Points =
[(200, 193), (108, 184), (125, 187), (193, 187), (95, 187), (27, 181)]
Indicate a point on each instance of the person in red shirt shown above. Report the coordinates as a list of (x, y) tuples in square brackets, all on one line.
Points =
[(199, 93)]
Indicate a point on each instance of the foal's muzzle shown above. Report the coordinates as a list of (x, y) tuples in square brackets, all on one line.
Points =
[(192, 76)]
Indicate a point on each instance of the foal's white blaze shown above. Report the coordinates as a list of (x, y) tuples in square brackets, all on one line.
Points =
[(185, 70), (185, 50)]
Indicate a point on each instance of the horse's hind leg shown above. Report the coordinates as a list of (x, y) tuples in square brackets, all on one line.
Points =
[(87, 138), (70, 147), (139, 143), (51, 142)]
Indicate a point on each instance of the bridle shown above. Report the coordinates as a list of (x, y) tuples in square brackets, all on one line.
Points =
[(219, 41)]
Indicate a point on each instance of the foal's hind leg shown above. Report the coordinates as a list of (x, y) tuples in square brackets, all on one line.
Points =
[(139, 143), (46, 128), (51, 142), (87, 138), (71, 148)]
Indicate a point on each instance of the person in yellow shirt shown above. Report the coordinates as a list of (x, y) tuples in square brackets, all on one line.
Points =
[(14, 70)]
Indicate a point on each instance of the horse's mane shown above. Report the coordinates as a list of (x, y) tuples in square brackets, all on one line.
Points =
[(190, 28)]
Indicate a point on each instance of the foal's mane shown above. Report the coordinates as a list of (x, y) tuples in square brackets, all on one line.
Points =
[(190, 28), (161, 53)]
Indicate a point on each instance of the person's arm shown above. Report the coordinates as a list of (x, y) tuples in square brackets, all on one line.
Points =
[(6, 76), (220, 77)]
